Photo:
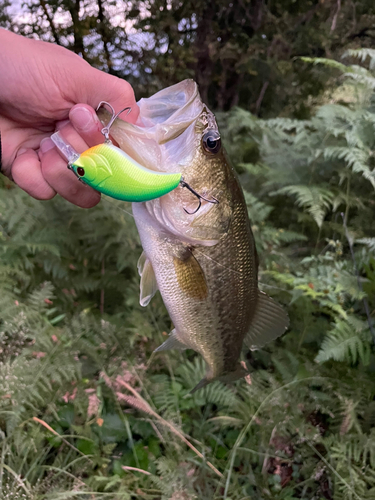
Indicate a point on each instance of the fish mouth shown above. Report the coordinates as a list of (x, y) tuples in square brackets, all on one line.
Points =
[(167, 137), (170, 111), (164, 137)]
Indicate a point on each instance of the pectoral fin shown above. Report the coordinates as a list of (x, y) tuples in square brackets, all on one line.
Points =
[(190, 277), (149, 285), (174, 341), (269, 322), (141, 263)]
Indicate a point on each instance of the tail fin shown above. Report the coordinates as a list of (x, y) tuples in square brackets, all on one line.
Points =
[(201, 384), (236, 374)]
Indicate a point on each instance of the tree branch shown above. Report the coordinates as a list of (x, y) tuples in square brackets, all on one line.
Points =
[(43, 4), (261, 96), (334, 20)]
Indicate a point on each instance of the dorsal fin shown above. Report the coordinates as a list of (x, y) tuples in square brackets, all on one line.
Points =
[(269, 322)]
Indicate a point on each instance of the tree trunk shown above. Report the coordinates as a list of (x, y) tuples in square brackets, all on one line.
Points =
[(102, 29), (78, 47), (43, 4), (204, 66)]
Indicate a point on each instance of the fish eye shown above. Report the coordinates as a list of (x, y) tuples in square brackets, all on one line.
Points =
[(211, 141), (80, 171)]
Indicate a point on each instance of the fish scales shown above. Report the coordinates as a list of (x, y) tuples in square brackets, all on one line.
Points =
[(205, 265), (215, 325)]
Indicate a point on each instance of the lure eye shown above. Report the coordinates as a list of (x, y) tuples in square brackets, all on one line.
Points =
[(211, 141), (80, 171)]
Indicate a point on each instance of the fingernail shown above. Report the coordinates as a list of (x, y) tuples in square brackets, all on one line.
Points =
[(46, 145), (83, 119), (62, 124)]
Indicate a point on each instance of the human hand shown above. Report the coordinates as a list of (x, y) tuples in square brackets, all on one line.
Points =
[(44, 87)]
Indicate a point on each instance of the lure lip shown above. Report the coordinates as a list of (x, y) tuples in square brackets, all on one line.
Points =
[(68, 152), (65, 148)]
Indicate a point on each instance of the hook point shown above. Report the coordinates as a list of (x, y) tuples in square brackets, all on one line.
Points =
[(199, 196), (105, 130)]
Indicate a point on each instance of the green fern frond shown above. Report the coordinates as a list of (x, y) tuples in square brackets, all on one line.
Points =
[(258, 211), (316, 200), (362, 54), (369, 242), (348, 341), (330, 63), (362, 77), (355, 158)]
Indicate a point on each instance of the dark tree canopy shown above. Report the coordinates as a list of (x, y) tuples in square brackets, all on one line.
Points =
[(242, 52)]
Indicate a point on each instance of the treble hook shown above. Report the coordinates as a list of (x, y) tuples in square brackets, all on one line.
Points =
[(105, 130), (199, 196)]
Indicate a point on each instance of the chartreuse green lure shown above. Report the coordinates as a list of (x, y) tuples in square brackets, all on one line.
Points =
[(111, 171)]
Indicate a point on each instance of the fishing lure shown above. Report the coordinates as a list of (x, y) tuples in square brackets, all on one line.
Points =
[(111, 171)]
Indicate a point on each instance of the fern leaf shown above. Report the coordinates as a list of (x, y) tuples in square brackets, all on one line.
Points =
[(362, 54), (331, 63), (316, 200), (348, 341), (369, 242)]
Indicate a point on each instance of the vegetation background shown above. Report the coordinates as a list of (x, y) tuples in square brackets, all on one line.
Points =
[(81, 415)]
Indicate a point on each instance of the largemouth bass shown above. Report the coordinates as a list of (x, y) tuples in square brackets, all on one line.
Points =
[(204, 264)]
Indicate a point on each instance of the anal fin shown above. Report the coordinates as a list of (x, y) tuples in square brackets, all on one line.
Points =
[(269, 322), (148, 285)]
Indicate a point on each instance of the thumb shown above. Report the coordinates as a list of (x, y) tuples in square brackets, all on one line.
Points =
[(103, 87)]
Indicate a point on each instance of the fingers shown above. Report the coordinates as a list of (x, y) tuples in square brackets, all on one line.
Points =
[(83, 131), (47, 174), (87, 124), (59, 177), (26, 172)]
